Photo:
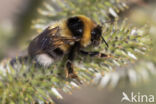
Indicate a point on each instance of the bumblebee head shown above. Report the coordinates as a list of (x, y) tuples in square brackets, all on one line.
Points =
[(96, 36), (86, 29)]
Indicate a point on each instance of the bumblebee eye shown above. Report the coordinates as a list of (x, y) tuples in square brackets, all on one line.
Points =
[(96, 33), (93, 33)]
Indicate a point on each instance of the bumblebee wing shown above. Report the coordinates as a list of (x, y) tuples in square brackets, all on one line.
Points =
[(64, 40), (42, 41), (57, 41), (49, 39), (46, 37)]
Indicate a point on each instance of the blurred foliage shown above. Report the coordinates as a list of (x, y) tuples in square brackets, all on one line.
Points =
[(130, 48), (24, 22), (4, 36), (58, 9)]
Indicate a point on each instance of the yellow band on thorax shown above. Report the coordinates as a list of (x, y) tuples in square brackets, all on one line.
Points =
[(88, 25)]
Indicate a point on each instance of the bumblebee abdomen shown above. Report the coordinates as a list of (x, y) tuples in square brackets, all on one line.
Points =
[(58, 51), (64, 48), (47, 58)]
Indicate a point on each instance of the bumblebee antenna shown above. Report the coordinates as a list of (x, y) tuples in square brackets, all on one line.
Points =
[(107, 21), (104, 41)]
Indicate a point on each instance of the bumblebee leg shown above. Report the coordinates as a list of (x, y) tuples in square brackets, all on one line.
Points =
[(70, 70), (69, 64), (97, 54)]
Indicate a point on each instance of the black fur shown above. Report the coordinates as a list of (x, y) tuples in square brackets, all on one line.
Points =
[(58, 51), (71, 56), (76, 26), (69, 67)]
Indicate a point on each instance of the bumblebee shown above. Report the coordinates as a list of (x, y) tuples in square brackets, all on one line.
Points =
[(67, 37)]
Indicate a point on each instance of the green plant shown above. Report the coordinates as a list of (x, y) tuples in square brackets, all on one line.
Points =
[(128, 47)]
